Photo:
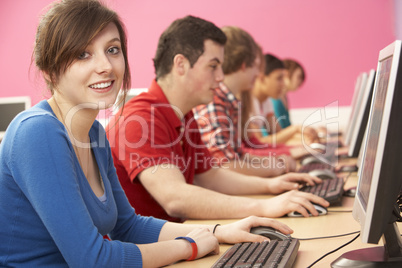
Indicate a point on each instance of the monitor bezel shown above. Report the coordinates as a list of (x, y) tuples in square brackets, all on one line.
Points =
[(357, 132), (355, 106), (13, 100), (378, 208)]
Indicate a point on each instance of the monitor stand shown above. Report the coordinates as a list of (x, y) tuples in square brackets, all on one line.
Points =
[(389, 255)]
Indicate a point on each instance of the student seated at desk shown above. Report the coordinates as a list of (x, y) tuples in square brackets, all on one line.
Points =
[(258, 119), (59, 192), (269, 85), (294, 77), (163, 166), (223, 122)]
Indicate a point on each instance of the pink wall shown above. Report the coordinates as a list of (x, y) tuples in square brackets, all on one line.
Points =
[(335, 40)]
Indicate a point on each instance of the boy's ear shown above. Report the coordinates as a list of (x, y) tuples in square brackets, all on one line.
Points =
[(180, 64)]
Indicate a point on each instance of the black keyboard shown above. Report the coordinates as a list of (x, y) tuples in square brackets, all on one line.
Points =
[(275, 253), (330, 189), (313, 166)]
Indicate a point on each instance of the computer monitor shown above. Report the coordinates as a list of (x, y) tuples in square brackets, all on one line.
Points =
[(376, 205), (362, 114), (9, 108), (356, 103)]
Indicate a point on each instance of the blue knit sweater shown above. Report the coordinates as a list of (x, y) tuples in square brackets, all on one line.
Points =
[(49, 215)]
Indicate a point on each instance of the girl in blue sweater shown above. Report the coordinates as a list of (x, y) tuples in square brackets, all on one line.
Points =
[(59, 193)]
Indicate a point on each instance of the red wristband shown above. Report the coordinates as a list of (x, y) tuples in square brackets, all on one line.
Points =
[(193, 246)]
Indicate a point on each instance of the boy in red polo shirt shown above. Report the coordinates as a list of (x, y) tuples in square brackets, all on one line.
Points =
[(161, 162)]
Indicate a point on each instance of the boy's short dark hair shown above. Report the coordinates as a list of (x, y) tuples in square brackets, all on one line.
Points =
[(272, 63), (184, 36)]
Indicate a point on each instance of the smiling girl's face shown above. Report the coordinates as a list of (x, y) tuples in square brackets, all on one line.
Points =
[(96, 76)]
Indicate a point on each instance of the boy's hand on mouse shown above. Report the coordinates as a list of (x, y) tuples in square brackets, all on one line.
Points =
[(239, 231)]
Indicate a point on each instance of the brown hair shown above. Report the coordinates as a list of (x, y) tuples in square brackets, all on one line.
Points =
[(184, 36), (291, 65), (272, 63), (240, 48), (64, 32)]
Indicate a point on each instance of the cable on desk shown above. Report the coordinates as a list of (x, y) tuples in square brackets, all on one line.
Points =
[(330, 236), (335, 250)]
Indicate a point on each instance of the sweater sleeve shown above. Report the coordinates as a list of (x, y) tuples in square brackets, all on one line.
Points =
[(43, 167), (130, 226)]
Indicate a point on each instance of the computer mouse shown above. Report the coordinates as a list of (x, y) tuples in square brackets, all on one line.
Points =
[(323, 174), (318, 147), (320, 209), (269, 232), (310, 160), (351, 192), (322, 134)]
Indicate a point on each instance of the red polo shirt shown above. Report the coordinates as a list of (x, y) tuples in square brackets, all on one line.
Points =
[(148, 133)]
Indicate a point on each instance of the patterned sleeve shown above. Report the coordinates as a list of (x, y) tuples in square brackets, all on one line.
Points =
[(218, 131)]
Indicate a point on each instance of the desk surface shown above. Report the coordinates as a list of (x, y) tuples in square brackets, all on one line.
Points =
[(339, 220)]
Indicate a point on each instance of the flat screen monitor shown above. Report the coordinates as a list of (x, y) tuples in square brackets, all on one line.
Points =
[(361, 151), (9, 108), (376, 206), (355, 93), (362, 114), (355, 106)]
